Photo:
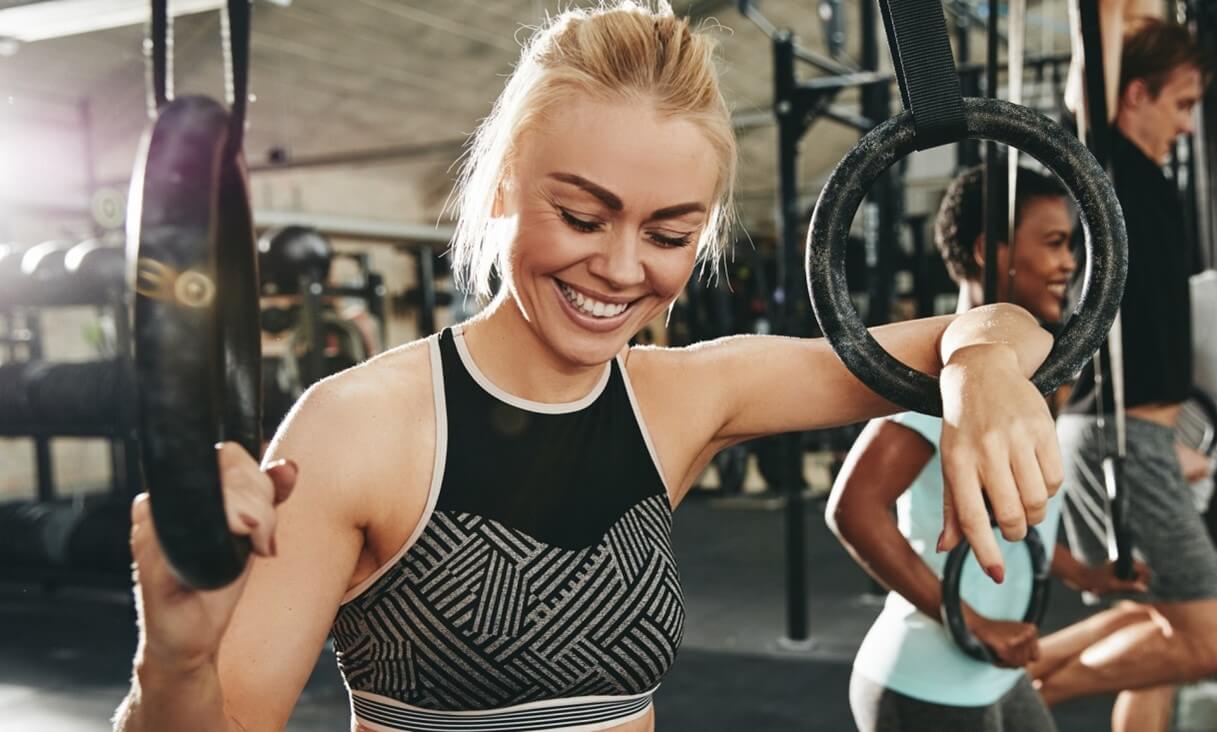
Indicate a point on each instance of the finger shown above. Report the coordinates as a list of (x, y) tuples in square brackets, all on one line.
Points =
[(1048, 452), (150, 569), (239, 470), (283, 475), (973, 521), (1004, 498), (252, 518), (141, 509), (951, 533), (1030, 482)]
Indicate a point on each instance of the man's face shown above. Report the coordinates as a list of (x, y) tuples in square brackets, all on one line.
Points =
[(1155, 122)]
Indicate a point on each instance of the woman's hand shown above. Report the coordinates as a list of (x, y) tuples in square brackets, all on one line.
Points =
[(998, 448), (181, 627), (1014, 643)]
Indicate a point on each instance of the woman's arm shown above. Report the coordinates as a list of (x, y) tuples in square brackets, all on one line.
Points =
[(997, 431), (338, 437), (881, 465), (879, 468)]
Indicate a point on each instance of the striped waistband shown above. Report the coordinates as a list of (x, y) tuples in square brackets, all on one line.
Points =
[(579, 714)]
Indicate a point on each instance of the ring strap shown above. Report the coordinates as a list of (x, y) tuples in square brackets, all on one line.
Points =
[(234, 40), (925, 69)]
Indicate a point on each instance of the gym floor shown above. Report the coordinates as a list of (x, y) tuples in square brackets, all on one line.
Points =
[(65, 658)]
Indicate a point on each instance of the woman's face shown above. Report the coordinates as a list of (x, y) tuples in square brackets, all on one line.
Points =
[(1043, 258), (605, 203)]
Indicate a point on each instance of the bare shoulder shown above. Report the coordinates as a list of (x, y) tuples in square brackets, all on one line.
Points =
[(365, 423)]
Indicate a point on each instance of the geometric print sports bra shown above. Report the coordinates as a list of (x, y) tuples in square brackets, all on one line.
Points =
[(539, 591)]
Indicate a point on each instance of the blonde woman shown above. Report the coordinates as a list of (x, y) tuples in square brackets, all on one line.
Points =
[(481, 519)]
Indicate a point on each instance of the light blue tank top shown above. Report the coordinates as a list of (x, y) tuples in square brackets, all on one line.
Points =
[(911, 653)]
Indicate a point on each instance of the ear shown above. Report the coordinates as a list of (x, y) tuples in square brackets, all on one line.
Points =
[(978, 251), (1135, 94)]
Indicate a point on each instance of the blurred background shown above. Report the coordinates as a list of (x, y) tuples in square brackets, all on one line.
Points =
[(358, 115)]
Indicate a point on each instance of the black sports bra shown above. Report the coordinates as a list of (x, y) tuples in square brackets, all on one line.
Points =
[(539, 590)]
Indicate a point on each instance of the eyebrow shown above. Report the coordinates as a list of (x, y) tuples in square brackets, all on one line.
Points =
[(611, 200)]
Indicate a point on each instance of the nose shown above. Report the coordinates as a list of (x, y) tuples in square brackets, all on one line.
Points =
[(1187, 123), (1069, 261), (619, 262)]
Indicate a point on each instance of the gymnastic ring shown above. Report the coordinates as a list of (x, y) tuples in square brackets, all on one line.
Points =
[(952, 605), (1034, 134), (192, 269)]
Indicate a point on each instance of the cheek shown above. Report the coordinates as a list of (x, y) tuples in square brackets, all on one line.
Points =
[(670, 271), (540, 245)]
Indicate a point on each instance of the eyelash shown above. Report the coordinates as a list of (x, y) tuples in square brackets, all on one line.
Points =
[(588, 227)]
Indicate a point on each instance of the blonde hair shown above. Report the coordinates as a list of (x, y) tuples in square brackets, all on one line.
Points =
[(621, 51)]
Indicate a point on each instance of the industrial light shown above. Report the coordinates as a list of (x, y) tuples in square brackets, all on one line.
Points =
[(57, 18)]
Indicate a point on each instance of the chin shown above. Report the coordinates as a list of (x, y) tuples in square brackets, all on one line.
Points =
[(588, 350)]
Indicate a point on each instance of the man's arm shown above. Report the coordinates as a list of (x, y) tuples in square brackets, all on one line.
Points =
[(1116, 17)]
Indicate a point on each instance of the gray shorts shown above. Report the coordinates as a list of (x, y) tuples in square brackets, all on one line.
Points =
[(1167, 531), (879, 709)]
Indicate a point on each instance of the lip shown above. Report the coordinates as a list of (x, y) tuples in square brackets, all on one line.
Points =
[(597, 296), (587, 322)]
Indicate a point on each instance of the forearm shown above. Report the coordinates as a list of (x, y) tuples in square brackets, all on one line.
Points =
[(1068, 569), (875, 542), (1002, 325), (1114, 16), (184, 701)]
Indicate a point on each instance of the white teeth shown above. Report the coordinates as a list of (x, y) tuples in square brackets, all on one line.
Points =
[(591, 307)]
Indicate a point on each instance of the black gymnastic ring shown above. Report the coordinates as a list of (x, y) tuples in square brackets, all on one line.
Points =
[(952, 607), (1034, 134), (192, 266)]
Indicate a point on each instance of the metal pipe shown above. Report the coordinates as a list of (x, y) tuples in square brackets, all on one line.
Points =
[(790, 129)]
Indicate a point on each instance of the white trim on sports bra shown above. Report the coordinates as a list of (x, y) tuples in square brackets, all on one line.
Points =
[(489, 386), (437, 471), (376, 713)]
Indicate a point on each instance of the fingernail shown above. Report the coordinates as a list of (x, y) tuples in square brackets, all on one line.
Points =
[(942, 539), (997, 572), (274, 549), (292, 463), (248, 520), (219, 445)]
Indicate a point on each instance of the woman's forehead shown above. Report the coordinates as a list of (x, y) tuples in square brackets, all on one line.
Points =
[(627, 148)]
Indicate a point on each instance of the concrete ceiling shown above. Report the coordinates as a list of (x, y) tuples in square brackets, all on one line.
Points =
[(410, 76)]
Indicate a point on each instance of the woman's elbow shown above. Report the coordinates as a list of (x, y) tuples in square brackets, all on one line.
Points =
[(841, 517)]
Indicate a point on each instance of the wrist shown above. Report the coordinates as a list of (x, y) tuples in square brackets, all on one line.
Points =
[(986, 355)]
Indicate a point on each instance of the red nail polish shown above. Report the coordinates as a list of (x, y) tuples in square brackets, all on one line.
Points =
[(248, 520), (997, 572)]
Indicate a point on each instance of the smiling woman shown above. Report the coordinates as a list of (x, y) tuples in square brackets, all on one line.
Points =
[(482, 519)]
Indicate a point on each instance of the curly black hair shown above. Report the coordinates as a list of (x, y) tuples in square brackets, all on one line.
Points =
[(961, 215)]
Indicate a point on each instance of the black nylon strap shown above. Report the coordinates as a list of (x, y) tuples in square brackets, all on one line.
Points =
[(235, 41), (925, 68), (1098, 130), (160, 57)]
